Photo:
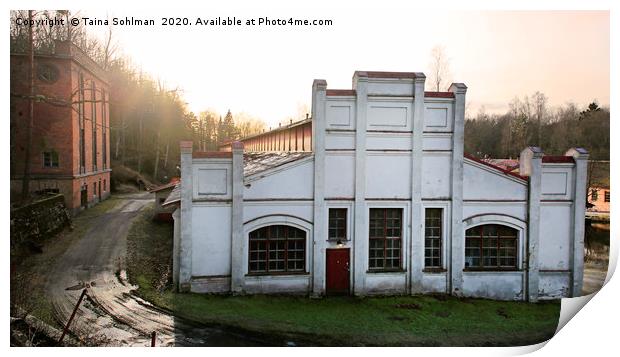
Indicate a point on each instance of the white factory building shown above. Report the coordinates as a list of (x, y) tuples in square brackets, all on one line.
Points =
[(378, 199)]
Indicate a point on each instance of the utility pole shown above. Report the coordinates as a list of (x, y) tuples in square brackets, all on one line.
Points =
[(26, 178)]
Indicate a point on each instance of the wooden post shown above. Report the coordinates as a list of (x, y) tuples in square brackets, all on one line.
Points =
[(64, 331)]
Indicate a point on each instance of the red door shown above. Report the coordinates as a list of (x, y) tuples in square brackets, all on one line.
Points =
[(337, 274)]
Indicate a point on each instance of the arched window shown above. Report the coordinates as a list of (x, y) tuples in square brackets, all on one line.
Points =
[(491, 247), (277, 249)]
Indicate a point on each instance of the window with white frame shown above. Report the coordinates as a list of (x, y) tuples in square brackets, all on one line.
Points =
[(337, 228), (385, 239), (432, 237), (277, 249), (491, 247)]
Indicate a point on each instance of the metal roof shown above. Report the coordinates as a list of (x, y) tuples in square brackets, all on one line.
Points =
[(174, 196), (255, 162)]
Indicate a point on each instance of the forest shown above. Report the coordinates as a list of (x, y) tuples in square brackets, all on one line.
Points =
[(530, 121), (148, 119)]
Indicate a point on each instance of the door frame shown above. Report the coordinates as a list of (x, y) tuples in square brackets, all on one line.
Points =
[(348, 249)]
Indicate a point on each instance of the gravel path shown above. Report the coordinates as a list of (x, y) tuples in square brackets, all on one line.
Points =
[(111, 315)]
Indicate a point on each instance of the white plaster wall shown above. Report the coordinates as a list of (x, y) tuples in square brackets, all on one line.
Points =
[(436, 172), (434, 283), (493, 285), (553, 285), (484, 183), (388, 141), (211, 285), (513, 209), (290, 181), (389, 114), (438, 115), (300, 209), (437, 141), (389, 86), (340, 141), (339, 175), (340, 113), (386, 283), (211, 239), (277, 284), (557, 182), (212, 179), (555, 236), (388, 175)]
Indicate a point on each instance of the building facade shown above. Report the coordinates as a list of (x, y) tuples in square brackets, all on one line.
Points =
[(386, 202), (600, 197), (70, 151), (160, 212)]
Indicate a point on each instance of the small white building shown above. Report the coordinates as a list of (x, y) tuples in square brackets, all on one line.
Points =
[(161, 212), (386, 202)]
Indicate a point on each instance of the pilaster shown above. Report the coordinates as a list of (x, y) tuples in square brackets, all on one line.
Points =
[(237, 240), (176, 216), (457, 238), (360, 237), (416, 247), (580, 156), (185, 244), (319, 88), (531, 165)]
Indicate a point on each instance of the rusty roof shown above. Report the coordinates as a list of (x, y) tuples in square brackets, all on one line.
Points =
[(211, 154), (557, 159), (439, 94), (164, 186), (341, 92), (493, 166), (506, 164), (393, 75)]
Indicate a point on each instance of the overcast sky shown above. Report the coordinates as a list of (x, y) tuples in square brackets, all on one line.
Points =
[(268, 71)]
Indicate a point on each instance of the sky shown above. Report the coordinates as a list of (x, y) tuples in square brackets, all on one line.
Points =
[(267, 72)]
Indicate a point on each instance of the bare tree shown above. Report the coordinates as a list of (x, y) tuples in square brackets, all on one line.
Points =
[(540, 109), (109, 49), (439, 68), (26, 178)]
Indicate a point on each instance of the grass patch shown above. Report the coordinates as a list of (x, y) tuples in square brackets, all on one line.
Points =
[(386, 321)]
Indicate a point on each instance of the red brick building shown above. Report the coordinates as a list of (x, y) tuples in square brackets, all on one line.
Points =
[(70, 151)]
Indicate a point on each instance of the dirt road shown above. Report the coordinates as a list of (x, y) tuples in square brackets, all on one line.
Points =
[(111, 314)]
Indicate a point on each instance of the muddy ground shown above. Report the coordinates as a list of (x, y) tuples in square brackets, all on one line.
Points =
[(110, 315)]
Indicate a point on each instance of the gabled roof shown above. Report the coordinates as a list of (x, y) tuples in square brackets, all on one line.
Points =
[(174, 196), (506, 164), (495, 167), (170, 184), (255, 162)]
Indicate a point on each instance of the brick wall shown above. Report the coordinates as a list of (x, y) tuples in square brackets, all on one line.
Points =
[(57, 124)]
